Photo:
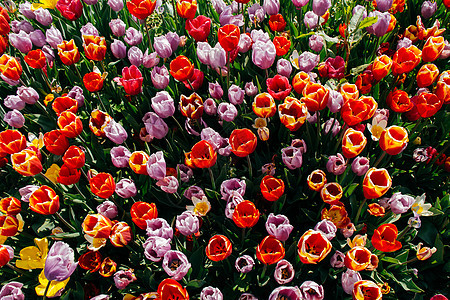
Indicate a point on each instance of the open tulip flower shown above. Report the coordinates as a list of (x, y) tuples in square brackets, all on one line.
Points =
[(186, 149)]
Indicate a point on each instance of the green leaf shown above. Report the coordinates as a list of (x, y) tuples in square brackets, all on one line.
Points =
[(355, 20), (358, 69), (369, 21), (391, 260), (65, 235), (350, 190), (196, 283), (408, 285)]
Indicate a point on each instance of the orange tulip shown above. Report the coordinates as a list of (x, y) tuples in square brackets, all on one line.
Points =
[(55, 142), (93, 81), (228, 37), (35, 59), (245, 214), (219, 248), (336, 214), (9, 225), (243, 142), (68, 52), (70, 124), (141, 9), (428, 104), (10, 206), (64, 103), (68, 175), (192, 106), (354, 112), (120, 234), (270, 250), (12, 141), (385, 238), (277, 23), (187, 8), (138, 162), (107, 267), (433, 48), (331, 193), (313, 247), (181, 68), (171, 289), (203, 155), (5, 256), (366, 290), (97, 226), (442, 90), (315, 96), (357, 258), (412, 33), (316, 180), (293, 113), (376, 183), (4, 21), (26, 162), (264, 105), (399, 101), (405, 60), (271, 188), (90, 260), (427, 75), (98, 121), (74, 157), (349, 92), (376, 210), (44, 201), (301, 79), (381, 67), (394, 140), (94, 47), (102, 185), (392, 23), (282, 45), (353, 143), (142, 211), (10, 67)]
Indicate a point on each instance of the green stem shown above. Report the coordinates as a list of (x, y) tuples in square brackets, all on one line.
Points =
[(379, 159), (250, 169), (263, 271), (46, 289), (213, 182), (359, 211), (65, 222), (228, 70)]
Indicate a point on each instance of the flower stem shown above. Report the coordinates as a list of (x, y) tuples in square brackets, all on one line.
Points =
[(46, 289), (379, 159), (250, 169), (213, 182), (228, 70), (359, 211), (65, 222), (263, 271)]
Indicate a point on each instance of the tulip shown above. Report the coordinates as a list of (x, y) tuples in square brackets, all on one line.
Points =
[(150, 60), (156, 247), (141, 212), (284, 292), (316, 180), (209, 293), (331, 193), (245, 215), (360, 165), (292, 113), (14, 102), (284, 67), (93, 81), (55, 142), (181, 68), (108, 209), (102, 185), (115, 132), (159, 227), (380, 28), (123, 278), (428, 9), (126, 188), (199, 28), (133, 36), (68, 52), (250, 89), (10, 206), (227, 111), (320, 7), (27, 94), (68, 175), (311, 20), (433, 48), (292, 157), (141, 9), (70, 125), (176, 264), (186, 8), (14, 118), (120, 156), (399, 101), (357, 258), (270, 250), (116, 5), (376, 183), (10, 69), (26, 162), (277, 23), (313, 247), (278, 87), (135, 56), (25, 9), (354, 112), (120, 235), (132, 80), (385, 238), (427, 75), (284, 272), (70, 9), (245, 43), (366, 289), (353, 143), (169, 288), (405, 60), (315, 96), (244, 264), (272, 188), (336, 164), (9, 225), (264, 105), (312, 291), (282, 45), (236, 95), (12, 290), (337, 260), (399, 203), (263, 54), (138, 162), (160, 77), (21, 41), (162, 46), (60, 262), (90, 260), (271, 7), (187, 223), (394, 140), (315, 42), (349, 278), (118, 49), (228, 37), (219, 248), (243, 142), (117, 27)]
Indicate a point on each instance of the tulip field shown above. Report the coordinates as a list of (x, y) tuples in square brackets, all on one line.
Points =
[(225, 150)]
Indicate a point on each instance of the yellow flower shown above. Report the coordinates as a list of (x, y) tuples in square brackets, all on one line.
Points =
[(358, 240), (421, 208), (49, 98), (33, 257), (55, 289), (201, 206), (44, 4), (35, 141), (52, 173), (95, 243), (2, 239), (377, 128)]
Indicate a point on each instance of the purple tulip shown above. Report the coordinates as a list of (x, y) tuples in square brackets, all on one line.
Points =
[(335, 101), (227, 111), (12, 291), (400, 203), (160, 228), (299, 3), (156, 247), (245, 43), (358, 8), (77, 93), (27, 94), (384, 5), (156, 166), (311, 119), (307, 61), (320, 7), (278, 226), (250, 89), (381, 26), (212, 136), (300, 144), (185, 172), (284, 272), (445, 54), (17, 26), (420, 155), (25, 9), (118, 49), (284, 67), (14, 118), (21, 41), (217, 57), (210, 107), (174, 40), (259, 35), (14, 102), (163, 104), (53, 37), (115, 132), (256, 13), (176, 264), (337, 260), (244, 264), (360, 165), (49, 54), (150, 60), (155, 125), (187, 223), (349, 230), (225, 148), (120, 156), (133, 36), (162, 46), (219, 5), (247, 296), (292, 157), (236, 95), (117, 27), (315, 42), (43, 16), (37, 37), (60, 262), (168, 184), (126, 188), (116, 5), (108, 209), (428, 9), (194, 191), (336, 164), (232, 186), (211, 293), (26, 192), (89, 29), (312, 291), (333, 125), (234, 200), (311, 20), (271, 7), (327, 228), (123, 278), (203, 49), (263, 54), (160, 77), (349, 278), (286, 292), (227, 17), (215, 90), (135, 56)]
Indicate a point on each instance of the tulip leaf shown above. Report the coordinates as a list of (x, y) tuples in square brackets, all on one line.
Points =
[(196, 283), (408, 285), (369, 21), (350, 190), (358, 69), (65, 235), (304, 35), (391, 260), (355, 20), (403, 257)]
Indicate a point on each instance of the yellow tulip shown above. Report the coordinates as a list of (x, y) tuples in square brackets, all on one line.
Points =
[(53, 173), (44, 4), (33, 257), (55, 289)]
